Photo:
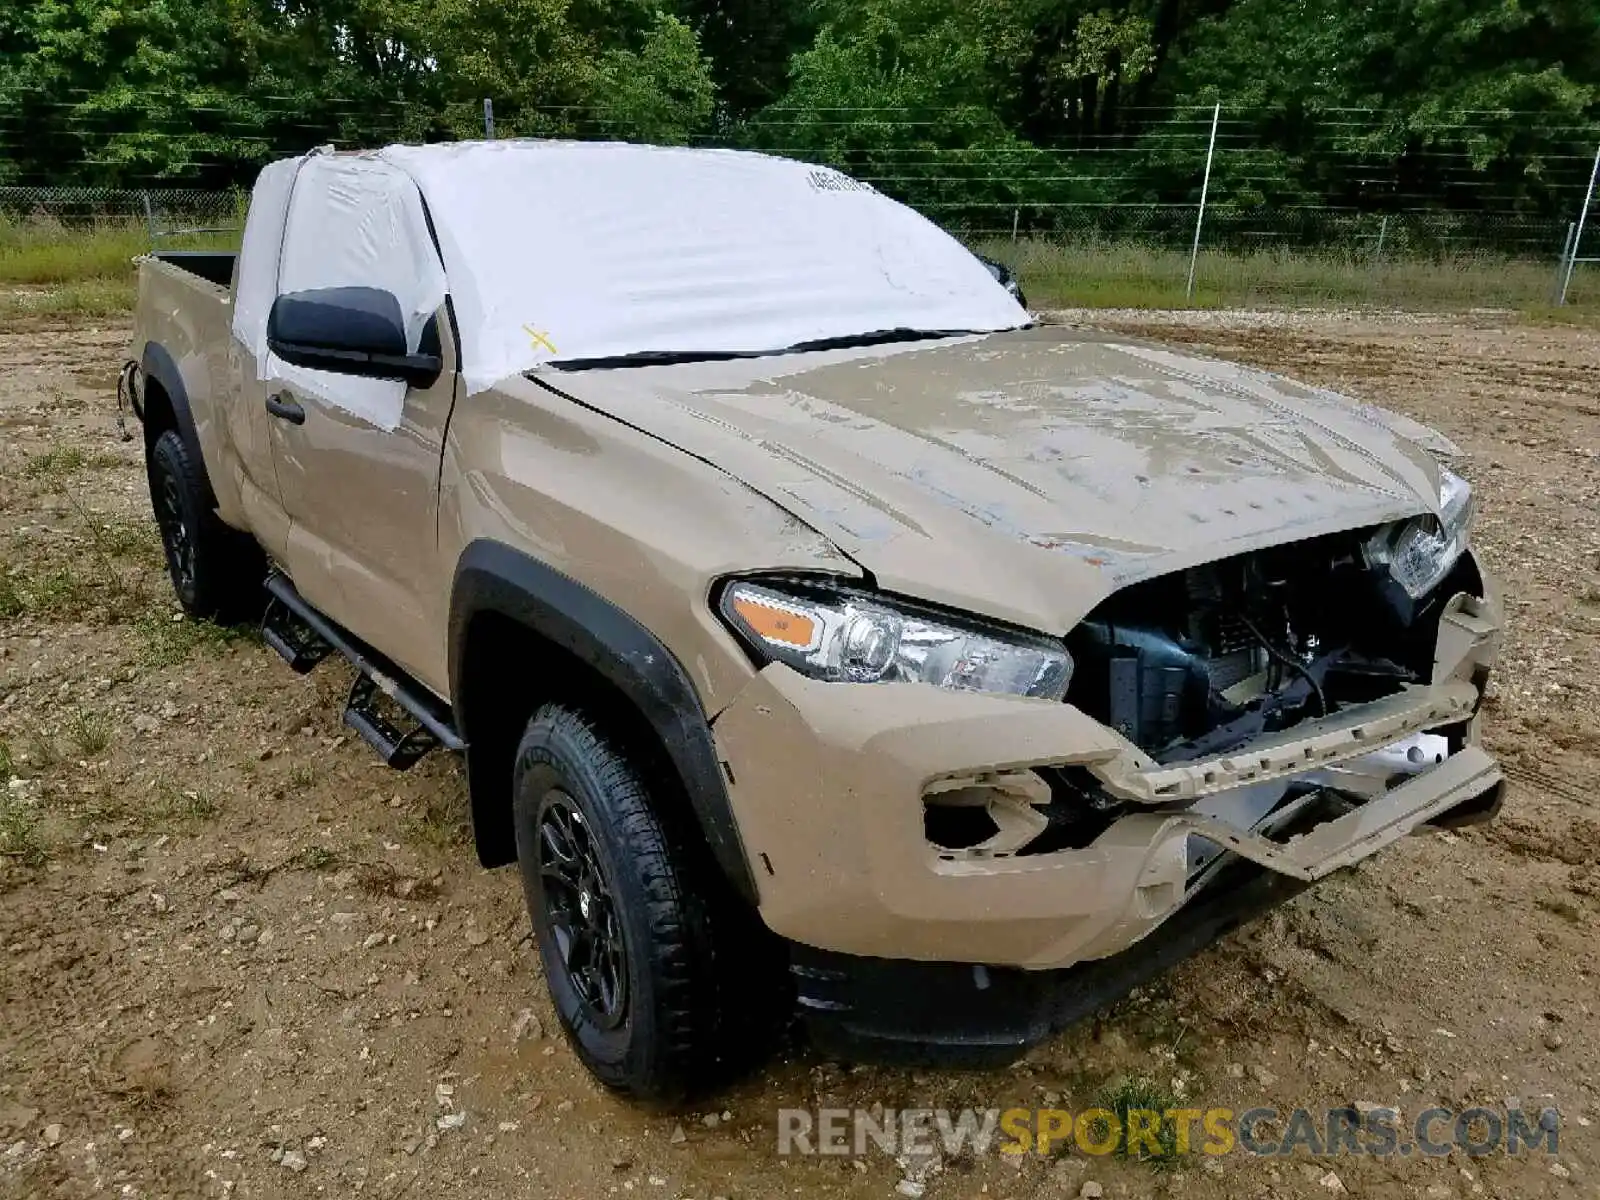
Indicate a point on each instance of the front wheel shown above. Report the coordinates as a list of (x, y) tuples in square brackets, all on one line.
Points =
[(636, 943), (216, 571)]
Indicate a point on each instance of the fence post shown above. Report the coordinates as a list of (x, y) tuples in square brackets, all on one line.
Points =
[(488, 119), (1577, 237), (1199, 217), (1561, 263), (1383, 233), (149, 218), (1016, 219)]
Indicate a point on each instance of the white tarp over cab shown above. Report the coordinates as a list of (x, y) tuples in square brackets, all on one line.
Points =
[(257, 284), (571, 250), (556, 251), (335, 221)]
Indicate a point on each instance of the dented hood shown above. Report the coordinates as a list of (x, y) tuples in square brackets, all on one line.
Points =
[(1027, 475)]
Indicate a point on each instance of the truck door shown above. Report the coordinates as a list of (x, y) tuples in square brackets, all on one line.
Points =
[(358, 458)]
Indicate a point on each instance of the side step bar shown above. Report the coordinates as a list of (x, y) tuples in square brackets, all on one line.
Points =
[(287, 632), (304, 637)]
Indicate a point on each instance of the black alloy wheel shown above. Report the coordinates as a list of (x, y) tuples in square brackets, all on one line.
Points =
[(216, 571), (661, 976), (580, 911)]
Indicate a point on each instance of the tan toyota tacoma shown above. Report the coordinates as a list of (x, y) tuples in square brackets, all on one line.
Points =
[(823, 635)]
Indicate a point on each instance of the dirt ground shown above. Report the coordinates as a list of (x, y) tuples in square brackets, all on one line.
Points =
[(238, 956)]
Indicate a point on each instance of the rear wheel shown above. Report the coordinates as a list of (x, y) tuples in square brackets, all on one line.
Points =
[(216, 571), (638, 941)]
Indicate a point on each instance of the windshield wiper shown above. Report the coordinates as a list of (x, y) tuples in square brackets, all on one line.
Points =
[(661, 358), (877, 338), (652, 358)]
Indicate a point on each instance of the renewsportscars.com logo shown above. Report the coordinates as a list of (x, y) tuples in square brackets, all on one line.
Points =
[(1159, 1133)]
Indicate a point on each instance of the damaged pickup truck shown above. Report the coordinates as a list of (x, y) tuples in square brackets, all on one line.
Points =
[(823, 636)]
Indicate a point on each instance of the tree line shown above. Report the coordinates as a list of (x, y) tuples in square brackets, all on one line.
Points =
[(963, 107)]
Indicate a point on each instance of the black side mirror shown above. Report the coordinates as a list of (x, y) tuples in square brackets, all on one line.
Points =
[(351, 330)]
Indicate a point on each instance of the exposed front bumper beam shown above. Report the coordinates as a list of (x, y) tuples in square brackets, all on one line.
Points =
[(1304, 747), (1348, 839)]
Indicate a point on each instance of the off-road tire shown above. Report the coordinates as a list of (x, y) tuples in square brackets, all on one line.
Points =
[(702, 977), (216, 572)]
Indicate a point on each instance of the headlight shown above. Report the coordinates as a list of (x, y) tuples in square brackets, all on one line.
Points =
[(1420, 552), (852, 638)]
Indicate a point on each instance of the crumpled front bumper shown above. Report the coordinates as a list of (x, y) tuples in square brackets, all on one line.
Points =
[(827, 782)]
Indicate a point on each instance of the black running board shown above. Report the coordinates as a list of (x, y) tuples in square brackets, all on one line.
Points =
[(304, 637), (296, 642)]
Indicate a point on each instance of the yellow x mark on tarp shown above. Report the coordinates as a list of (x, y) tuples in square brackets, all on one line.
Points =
[(541, 339)]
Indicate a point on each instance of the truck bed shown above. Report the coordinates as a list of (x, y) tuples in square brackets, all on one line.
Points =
[(214, 266), (182, 331)]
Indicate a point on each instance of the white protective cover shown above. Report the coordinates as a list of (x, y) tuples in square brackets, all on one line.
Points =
[(567, 250), (257, 285), (344, 221)]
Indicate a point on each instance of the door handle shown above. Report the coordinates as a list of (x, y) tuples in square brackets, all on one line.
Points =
[(286, 408)]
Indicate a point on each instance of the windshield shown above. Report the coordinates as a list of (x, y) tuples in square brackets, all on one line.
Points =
[(577, 253)]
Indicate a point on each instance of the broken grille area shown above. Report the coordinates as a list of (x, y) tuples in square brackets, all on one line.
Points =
[(1201, 662)]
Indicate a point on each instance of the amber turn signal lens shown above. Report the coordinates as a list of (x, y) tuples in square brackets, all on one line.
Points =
[(775, 624)]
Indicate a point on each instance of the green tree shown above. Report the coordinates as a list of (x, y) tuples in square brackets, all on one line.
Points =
[(1416, 88), (662, 92), (750, 43), (203, 91), (106, 90)]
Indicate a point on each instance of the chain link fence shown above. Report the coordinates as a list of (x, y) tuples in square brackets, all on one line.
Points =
[(164, 211)]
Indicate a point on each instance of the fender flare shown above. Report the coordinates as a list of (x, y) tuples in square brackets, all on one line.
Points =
[(158, 364), (494, 578)]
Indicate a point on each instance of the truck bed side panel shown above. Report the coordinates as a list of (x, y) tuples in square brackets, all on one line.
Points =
[(190, 319)]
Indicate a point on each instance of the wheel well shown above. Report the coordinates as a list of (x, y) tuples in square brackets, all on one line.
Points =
[(159, 415), (508, 671)]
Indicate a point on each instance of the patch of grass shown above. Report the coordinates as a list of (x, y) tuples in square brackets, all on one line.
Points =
[(442, 823), (19, 832), (302, 776), (165, 642), (174, 805), (1092, 273), (61, 593), (66, 592), (1148, 1135), (55, 463), (1575, 316), (39, 251), (11, 604), (127, 590), (76, 583), (7, 769), (313, 858), (50, 269), (41, 753), (89, 731), (93, 298), (132, 539)]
